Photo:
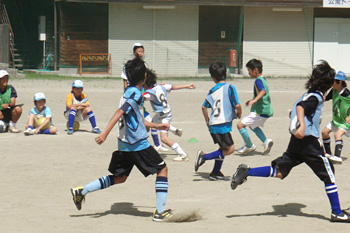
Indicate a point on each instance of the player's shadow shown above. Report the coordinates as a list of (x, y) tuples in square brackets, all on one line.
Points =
[(204, 176), (284, 211), (126, 208)]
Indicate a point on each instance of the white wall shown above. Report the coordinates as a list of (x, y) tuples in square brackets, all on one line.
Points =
[(281, 40), (170, 37)]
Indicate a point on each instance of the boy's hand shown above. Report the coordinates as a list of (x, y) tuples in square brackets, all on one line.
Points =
[(101, 138), (36, 131), (239, 114), (163, 126), (300, 132), (249, 103), (191, 86)]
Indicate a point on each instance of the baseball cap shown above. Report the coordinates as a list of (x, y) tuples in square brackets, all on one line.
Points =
[(3, 73), (136, 45), (78, 83), (39, 96), (340, 75)]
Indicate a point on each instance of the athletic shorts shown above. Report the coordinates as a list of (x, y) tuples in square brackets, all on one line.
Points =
[(319, 164), (78, 116), (224, 140), (334, 128), (253, 120), (148, 161), (7, 114), (162, 120)]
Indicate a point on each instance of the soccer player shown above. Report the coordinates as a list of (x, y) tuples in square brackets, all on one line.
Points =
[(340, 124), (260, 111), (133, 147), (304, 145), (222, 99)]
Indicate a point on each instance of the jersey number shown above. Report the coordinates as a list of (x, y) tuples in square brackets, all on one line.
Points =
[(217, 109), (163, 100)]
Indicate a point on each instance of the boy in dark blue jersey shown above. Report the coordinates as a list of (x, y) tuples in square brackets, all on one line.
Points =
[(224, 103), (304, 145), (133, 147)]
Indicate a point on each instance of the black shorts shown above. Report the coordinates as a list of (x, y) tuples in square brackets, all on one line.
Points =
[(224, 140), (148, 161), (319, 164), (7, 114)]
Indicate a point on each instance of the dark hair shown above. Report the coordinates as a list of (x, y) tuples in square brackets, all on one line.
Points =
[(137, 47), (255, 63), (151, 78), (322, 78), (217, 70), (135, 70), (343, 83)]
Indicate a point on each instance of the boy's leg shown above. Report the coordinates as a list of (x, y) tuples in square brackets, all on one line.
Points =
[(71, 119), (268, 143), (88, 113), (326, 140), (161, 189), (182, 156), (336, 158), (249, 146), (30, 125), (176, 131)]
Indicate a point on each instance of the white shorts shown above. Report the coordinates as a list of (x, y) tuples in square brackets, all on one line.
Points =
[(162, 120), (334, 129), (78, 116), (253, 120)]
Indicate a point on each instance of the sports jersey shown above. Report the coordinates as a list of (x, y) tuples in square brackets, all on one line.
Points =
[(45, 112), (341, 107), (5, 97), (71, 99), (311, 118), (222, 99), (132, 134), (158, 97), (263, 105)]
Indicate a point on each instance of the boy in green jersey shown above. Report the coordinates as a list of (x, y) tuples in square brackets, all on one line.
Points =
[(340, 123), (260, 110)]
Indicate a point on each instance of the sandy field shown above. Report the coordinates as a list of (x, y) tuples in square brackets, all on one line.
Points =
[(38, 171)]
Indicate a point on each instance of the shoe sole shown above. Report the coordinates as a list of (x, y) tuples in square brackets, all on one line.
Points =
[(234, 183), (269, 146), (74, 198), (196, 165)]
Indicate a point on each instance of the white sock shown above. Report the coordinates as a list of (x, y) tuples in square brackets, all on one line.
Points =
[(172, 129), (176, 147), (12, 124)]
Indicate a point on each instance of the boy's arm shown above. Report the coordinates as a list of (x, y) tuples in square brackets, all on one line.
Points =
[(238, 108), (300, 115), (115, 118), (157, 126), (178, 87), (205, 115), (259, 96)]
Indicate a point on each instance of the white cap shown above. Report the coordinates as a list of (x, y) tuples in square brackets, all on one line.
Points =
[(136, 45), (39, 96), (3, 73), (78, 83)]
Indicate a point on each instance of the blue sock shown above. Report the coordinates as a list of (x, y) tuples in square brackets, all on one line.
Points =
[(102, 183), (332, 193), (45, 131), (30, 127), (154, 134), (258, 131), (267, 171), (92, 120), (161, 193), (214, 155), (217, 166), (245, 136), (71, 118)]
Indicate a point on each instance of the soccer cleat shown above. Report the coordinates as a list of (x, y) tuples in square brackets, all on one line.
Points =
[(327, 155), (28, 132), (13, 129), (335, 159), (181, 158), (267, 146), (78, 197), (343, 217), (96, 130), (240, 176), (245, 149), (217, 176), (178, 132), (70, 131), (161, 148), (160, 217), (199, 160)]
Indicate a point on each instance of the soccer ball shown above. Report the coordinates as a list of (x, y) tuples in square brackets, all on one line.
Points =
[(2, 127), (41, 120), (75, 126)]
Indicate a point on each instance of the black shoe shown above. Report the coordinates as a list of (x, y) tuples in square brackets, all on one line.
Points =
[(199, 160), (217, 176), (161, 217), (343, 217), (240, 176), (78, 197)]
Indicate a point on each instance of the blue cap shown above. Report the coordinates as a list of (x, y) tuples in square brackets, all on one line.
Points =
[(78, 83), (340, 75)]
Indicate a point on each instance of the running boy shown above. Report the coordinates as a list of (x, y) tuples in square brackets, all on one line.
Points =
[(133, 147), (40, 111), (260, 110), (78, 108), (340, 123), (304, 145), (224, 103), (158, 97)]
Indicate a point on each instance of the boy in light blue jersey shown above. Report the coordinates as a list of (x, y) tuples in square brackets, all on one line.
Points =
[(133, 147), (222, 99)]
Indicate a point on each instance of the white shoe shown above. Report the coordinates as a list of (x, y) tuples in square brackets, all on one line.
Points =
[(28, 131), (13, 129), (178, 132), (160, 148), (245, 149), (327, 155), (267, 146), (336, 159), (181, 158)]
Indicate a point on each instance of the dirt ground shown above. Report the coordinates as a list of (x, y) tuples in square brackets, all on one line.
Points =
[(37, 172)]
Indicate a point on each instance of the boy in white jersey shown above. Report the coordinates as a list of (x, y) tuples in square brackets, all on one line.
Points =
[(157, 95), (222, 99), (340, 124)]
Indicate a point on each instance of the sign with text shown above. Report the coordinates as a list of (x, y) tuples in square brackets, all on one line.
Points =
[(336, 3)]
